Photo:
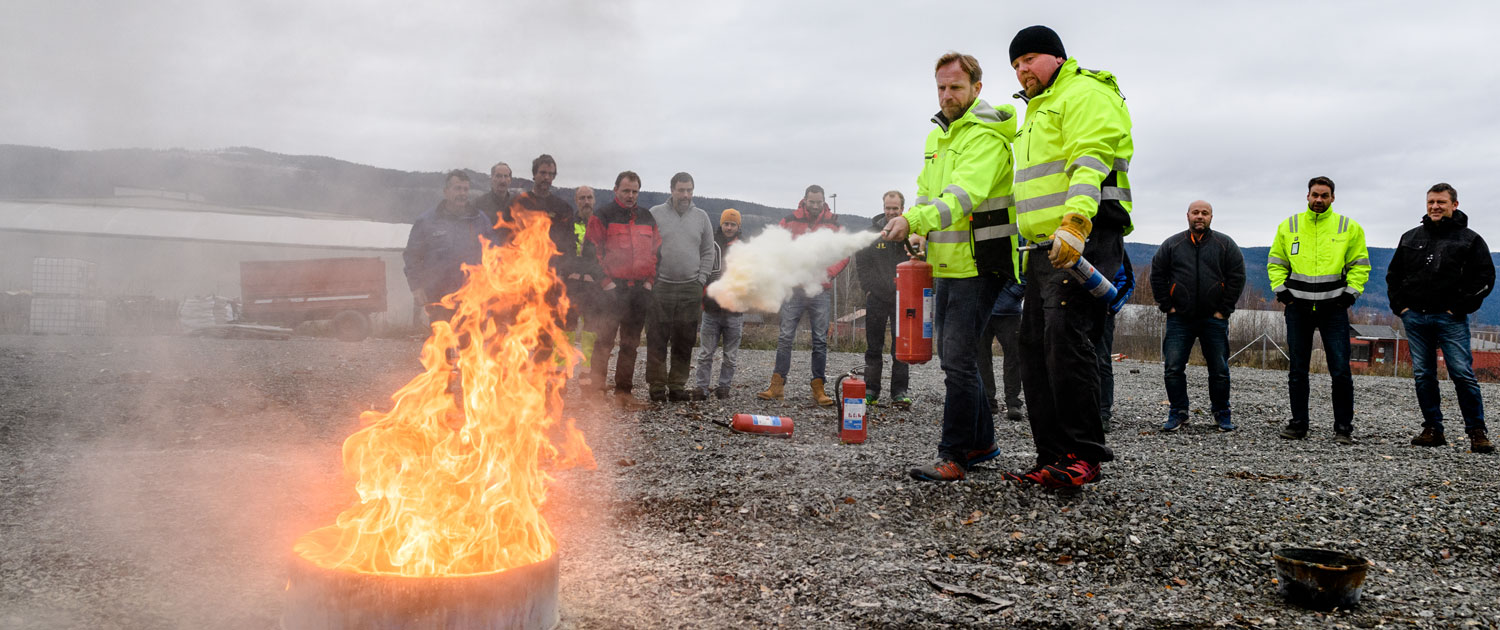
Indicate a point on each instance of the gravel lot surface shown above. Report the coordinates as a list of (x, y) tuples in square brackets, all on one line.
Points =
[(160, 482)]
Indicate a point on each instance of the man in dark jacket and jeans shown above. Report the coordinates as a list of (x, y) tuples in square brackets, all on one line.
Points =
[(876, 265), (1196, 277), (441, 241), (1440, 273)]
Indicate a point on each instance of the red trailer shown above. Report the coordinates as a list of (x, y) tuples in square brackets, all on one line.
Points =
[(289, 292)]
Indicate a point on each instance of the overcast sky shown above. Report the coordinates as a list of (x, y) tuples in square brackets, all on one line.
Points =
[(1236, 103)]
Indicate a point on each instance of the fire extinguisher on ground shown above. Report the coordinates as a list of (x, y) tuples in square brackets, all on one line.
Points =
[(913, 334), (853, 423)]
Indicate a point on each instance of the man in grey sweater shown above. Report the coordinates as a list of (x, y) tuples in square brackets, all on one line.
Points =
[(682, 268)]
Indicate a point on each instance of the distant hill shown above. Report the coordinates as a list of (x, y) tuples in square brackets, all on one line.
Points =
[(1375, 295), (245, 176)]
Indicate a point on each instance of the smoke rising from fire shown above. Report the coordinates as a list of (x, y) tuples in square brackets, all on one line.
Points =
[(761, 273)]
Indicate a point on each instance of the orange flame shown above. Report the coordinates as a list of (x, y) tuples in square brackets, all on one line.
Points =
[(451, 485)]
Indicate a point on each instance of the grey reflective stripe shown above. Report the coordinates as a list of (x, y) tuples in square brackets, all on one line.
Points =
[(1278, 288), (1090, 162), (946, 236), (996, 203), (1307, 278), (1042, 202), (1357, 262), (1039, 170), (963, 198), (1272, 260), (1115, 192), (1122, 165), (945, 216), (1087, 190), (1293, 227), (1324, 295), (995, 231), (923, 200), (1343, 224), (1352, 291)]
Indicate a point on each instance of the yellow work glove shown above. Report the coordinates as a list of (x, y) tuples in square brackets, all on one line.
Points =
[(1067, 241)]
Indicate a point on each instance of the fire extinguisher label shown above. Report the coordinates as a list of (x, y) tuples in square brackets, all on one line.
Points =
[(854, 414), (926, 313), (766, 421)]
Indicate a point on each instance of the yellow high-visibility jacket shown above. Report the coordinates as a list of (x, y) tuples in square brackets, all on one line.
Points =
[(1318, 256), (964, 205)]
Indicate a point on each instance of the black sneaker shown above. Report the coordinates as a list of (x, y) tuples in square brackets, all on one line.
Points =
[(972, 458), (659, 395), (1031, 476), (679, 395), (721, 392), (1431, 436), (1013, 414), (1292, 432), (698, 394), (944, 470), (1347, 439)]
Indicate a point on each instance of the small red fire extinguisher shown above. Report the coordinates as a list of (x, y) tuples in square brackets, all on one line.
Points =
[(780, 426), (914, 311), (852, 421)]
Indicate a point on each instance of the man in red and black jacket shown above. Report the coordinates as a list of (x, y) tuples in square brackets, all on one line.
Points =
[(811, 214), (625, 240)]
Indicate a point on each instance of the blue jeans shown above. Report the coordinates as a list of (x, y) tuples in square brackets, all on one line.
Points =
[(817, 308), (1212, 334), (1333, 323), (719, 326), (962, 308), (1430, 332)]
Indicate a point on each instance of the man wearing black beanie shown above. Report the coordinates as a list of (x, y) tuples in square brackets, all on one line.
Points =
[(1072, 156)]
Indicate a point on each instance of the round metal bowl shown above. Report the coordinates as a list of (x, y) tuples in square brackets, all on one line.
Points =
[(523, 598), (1321, 579)]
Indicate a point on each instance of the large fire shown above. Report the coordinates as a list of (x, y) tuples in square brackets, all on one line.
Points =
[(451, 484)]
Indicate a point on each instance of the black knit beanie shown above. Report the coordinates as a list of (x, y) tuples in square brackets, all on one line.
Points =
[(1037, 39)]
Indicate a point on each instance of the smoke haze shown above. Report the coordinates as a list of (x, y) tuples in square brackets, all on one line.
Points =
[(761, 273)]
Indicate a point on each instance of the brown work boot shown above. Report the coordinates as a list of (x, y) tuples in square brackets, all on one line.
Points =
[(774, 392), (1431, 436), (1479, 442), (818, 396), (626, 401)]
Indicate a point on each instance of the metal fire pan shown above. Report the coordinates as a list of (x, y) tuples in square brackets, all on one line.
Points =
[(523, 598)]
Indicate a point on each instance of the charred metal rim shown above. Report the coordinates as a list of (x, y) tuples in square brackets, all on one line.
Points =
[(318, 598)]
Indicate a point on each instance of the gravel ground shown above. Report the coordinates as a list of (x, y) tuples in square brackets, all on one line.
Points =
[(159, 483)]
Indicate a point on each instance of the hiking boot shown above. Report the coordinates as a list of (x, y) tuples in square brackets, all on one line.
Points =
[(1347, 439), (1106, 423), (1479, 442), (776, 390), (1071, 472), (944, 470), (901, 402), (1032, 475), (872, 400), (1013, 414), (658, 395), (721, 392), (818, 395), (971, 458), (680, 395), (1174, 422), (628, 402), (698, 394), (1431, 436), (1292, 432), (1226, 425)]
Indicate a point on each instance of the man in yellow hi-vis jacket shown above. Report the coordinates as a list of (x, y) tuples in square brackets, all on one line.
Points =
[(1072, 156), (1318, 265), (965, 210)]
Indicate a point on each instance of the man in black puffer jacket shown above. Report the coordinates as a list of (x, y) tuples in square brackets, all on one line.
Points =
[(1440, 273), (876, 265), (1196, 277)]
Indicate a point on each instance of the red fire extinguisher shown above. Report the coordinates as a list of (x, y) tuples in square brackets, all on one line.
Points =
[(852, 420), (780, 426), (914, 311)]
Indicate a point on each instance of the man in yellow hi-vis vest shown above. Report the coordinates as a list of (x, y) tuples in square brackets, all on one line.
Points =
[(1318, 265), (1072, 156), (965, 209)]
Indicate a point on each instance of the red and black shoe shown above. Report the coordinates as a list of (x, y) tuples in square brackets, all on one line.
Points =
[(980, 456), (1032, 476), (944, 470), (1069, 472)]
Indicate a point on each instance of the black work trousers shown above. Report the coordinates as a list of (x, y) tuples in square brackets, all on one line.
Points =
[(1060, 325), (878, 312), (622, 310)]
